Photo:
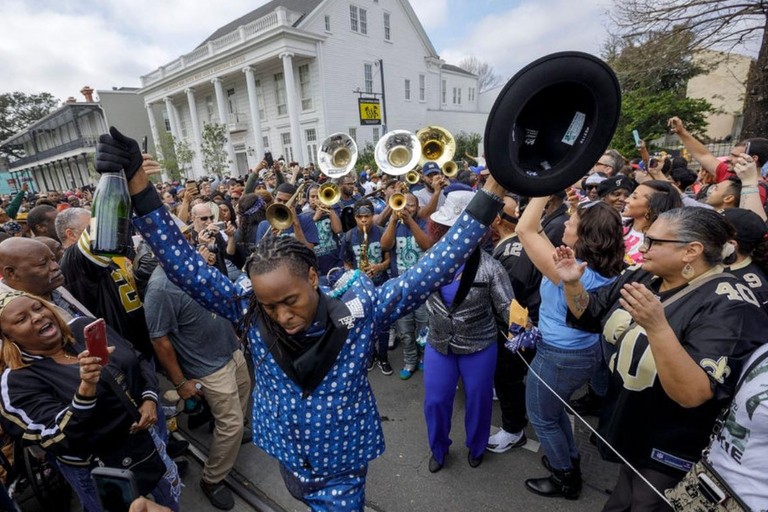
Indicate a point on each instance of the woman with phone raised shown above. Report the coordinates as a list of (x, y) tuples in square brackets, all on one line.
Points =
[(76, 406)]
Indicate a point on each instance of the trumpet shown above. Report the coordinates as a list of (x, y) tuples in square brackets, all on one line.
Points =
[(450, 169), (412, 177), (337, 155), (397, 201), (397, 152), (437, 145), (329, 194), (281, 216)]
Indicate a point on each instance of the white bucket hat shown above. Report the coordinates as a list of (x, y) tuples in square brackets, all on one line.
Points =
[(454, 205)]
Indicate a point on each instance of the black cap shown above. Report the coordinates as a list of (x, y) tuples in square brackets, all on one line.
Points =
[(614, 183), (750, 228)]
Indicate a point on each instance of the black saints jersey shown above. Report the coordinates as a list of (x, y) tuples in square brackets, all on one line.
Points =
[(753, 277), (108, 290), (717, 324), (523, 274)]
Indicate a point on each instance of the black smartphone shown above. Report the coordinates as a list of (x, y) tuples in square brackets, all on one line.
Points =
[(268, 158), (116, 488), (144, 144)]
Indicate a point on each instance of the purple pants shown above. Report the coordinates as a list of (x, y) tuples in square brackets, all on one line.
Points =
[(441, 374)]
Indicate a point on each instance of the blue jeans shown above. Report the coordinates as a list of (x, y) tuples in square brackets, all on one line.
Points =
[(408, 328), (565, 371), (167, 492)]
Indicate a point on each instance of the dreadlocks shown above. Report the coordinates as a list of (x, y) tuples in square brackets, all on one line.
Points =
[(269, 254)]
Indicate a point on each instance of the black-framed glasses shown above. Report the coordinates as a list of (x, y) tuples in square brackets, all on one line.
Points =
[(206, 218), (590, 187), (649, 241)]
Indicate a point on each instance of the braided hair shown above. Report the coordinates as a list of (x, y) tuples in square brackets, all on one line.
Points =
[(269, 254)]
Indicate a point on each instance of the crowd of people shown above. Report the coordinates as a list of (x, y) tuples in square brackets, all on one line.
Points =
[(644, 283)]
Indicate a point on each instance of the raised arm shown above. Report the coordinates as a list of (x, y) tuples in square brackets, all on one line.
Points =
[(746, 170), (535, 241), (397, 297), (698, 151)]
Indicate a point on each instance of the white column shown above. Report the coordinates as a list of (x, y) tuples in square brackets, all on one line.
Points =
[(153, 128), (171, 117), (292, 102), (224, 119), (253, 103), (196, 134)]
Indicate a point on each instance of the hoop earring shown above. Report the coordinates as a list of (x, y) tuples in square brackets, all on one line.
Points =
[(688, 272)]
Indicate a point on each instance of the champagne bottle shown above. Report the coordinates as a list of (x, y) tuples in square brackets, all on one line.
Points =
[(111, 216)]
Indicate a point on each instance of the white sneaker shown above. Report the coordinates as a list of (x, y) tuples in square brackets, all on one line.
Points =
[(503, 441)]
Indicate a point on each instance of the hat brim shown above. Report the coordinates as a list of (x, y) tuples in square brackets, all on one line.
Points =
[(551, 123), (440, 218)]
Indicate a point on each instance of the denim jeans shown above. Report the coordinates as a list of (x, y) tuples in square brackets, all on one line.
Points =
[(408, 328), (167, 492), (565, 371)]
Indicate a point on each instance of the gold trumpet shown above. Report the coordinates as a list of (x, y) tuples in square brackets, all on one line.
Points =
[(437, 145), (397, 201), (450, 169), (281, 216), (329, 194), (412, 177)]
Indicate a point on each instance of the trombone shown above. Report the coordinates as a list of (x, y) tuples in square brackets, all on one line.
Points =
[(397, 152), (337, 155), (439, 146), (281, 216)]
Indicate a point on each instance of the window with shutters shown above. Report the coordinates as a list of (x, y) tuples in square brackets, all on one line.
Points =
[(305, 87), (422, 88), (327, 23), (311, 136), (387, 28), (407, 89), (368, 70), (363, 21), (280, 94), (353, 19), (260, 100)]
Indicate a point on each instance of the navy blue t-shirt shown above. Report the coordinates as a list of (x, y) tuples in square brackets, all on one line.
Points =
[(406, 252), (307, 226), (350, 250), (328, 246)]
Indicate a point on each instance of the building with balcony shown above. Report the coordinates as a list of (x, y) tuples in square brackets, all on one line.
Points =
[(288, 74), (57, 150)]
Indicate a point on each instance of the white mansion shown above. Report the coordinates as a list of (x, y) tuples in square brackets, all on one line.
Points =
[(286, 75)]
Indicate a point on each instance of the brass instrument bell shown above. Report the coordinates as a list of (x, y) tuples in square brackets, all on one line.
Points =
[(412, 177), (397, 152), (329, 194), (337, 155), (281, 216), (437, 145), (450, 169), (397, 201)]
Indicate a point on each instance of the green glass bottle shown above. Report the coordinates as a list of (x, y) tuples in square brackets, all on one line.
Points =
[(111, 216)]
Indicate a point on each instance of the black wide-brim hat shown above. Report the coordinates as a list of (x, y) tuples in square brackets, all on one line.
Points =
[(551, 123)]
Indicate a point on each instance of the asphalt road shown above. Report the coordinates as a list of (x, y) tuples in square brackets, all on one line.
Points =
[(399, 480)]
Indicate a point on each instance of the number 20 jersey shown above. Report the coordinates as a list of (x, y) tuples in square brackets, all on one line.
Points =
[(717, 324)]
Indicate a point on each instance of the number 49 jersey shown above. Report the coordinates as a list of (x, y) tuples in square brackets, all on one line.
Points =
[(753, 277), (716, 323)]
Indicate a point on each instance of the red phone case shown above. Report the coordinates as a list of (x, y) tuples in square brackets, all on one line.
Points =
[(96, 340)]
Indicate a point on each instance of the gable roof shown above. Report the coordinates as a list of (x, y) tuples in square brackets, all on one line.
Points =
[(302, 6), (456, 69)]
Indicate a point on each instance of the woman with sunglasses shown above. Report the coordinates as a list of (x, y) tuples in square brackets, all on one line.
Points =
[(682, 329), (566, 358)]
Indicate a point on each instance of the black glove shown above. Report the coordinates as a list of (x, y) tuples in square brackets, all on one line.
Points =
[(117, 152)]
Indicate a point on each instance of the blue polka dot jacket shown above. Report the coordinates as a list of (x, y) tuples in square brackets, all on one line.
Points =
[(336, 427)]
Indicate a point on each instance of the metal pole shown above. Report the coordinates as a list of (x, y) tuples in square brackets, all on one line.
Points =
[(383, 98)]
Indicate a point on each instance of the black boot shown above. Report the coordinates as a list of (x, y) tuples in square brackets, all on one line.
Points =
[(588, 405), (560, 484), (575, 464)]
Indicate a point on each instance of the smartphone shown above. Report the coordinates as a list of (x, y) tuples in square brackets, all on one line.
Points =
[(96, 340), (268, 158), (653, 162), (116, 488), (746, 148), (144, 144), (637, 138)]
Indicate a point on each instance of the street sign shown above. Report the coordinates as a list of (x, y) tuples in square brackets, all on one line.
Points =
[(370, 111)]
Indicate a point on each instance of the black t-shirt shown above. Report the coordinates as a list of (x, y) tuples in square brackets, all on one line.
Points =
[(717, 325), (753, 277), (523, 274), (108, 291)]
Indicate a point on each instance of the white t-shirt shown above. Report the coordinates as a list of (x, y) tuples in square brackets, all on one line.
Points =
[(425, 196), (480, 161), (740, 453), (370, 186)]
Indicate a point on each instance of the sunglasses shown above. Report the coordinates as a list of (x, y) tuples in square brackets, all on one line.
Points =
[(206, 218), (591, 187)]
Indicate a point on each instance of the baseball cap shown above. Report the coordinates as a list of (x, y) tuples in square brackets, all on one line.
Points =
[(430, 168), (750, 228)]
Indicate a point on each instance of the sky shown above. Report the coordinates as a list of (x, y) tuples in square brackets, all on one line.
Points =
[(59, 46)]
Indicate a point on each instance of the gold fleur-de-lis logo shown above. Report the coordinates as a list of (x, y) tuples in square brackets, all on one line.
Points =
[(718, 369)]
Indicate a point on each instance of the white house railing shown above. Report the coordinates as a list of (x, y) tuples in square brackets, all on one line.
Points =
[(280, 17)]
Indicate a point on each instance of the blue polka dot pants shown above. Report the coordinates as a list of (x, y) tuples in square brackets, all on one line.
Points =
[(342, 493)]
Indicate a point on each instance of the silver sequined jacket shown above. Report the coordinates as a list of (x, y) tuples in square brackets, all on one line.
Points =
[(472, 326)]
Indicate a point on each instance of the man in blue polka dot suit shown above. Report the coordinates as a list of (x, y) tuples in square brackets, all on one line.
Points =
[(313, 407)]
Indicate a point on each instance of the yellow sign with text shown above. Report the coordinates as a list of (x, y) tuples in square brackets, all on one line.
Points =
[(370, 111)]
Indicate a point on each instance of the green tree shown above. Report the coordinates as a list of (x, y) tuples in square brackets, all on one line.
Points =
[(184, 155), (365, 157), (166, 157), (653, 70), (17, 111), (466, 143), (214, 151), (724, 25)]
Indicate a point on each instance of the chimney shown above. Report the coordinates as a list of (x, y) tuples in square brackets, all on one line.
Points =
[(88, 93), (71, 99)]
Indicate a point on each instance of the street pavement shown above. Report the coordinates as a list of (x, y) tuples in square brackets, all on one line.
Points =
[(399, 480)]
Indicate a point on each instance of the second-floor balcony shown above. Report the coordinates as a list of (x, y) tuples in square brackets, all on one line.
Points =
[(237, 122), (83, 142)]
